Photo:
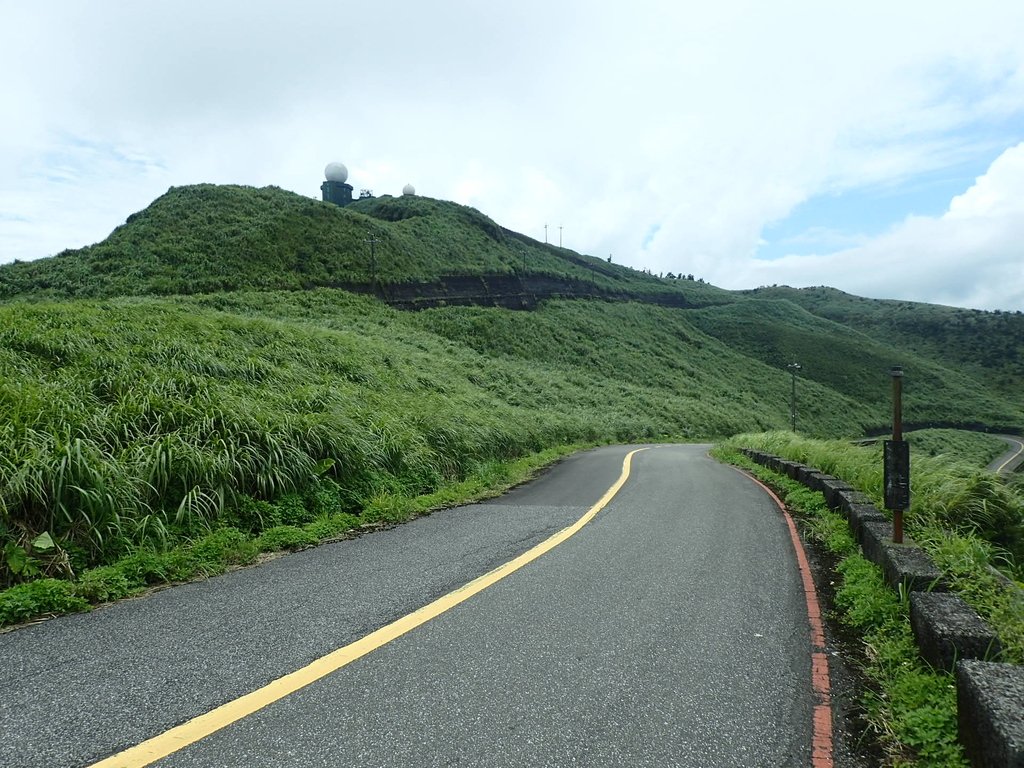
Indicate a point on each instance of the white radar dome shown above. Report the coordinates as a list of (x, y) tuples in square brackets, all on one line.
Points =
[(336, 172), (408, 189)]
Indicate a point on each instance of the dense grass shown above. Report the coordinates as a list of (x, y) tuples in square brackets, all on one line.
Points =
[(248, 532), (207, 238), (989, 345), (975, 448), (846, 360), (139, 422)]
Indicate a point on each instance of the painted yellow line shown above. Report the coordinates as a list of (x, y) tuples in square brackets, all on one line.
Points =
[(202, 726), (1020, 450)]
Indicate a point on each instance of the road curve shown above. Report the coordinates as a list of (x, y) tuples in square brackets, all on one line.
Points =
[(670, 630), (1008, 462)]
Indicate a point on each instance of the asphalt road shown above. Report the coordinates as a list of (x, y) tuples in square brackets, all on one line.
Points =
[(669, 631), (1008, 462)]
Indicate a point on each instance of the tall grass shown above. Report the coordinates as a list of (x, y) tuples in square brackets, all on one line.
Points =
[(142, 422), (968, 519)]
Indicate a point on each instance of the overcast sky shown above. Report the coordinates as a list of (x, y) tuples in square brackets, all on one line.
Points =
[(877, 147)]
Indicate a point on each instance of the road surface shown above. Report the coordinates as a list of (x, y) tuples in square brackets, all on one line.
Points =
[(1013, 458), (669, 630)]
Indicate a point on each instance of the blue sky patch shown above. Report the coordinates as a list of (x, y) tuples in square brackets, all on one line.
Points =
[(832, 222)]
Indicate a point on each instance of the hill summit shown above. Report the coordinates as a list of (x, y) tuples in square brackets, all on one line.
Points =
[(208, 238)]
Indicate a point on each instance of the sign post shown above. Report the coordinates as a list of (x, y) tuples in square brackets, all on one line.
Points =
[(897, 461)]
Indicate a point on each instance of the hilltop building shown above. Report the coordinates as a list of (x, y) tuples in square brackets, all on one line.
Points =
[(337, 190)]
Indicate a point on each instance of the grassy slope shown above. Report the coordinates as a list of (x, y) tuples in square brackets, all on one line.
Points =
[(987, 343), (140, 418), (208, 238), (127, 419), (845, 359)]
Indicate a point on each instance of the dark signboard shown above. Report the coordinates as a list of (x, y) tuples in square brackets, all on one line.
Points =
[(897, 474)]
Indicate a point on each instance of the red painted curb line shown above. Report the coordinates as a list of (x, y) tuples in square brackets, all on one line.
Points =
[(821, 740)]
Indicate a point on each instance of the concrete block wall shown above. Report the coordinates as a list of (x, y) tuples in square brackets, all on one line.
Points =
[(949, 633)]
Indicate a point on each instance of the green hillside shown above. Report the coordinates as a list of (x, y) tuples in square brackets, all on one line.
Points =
[(213, 364), (846, 359), (207, 238), (989, 344)]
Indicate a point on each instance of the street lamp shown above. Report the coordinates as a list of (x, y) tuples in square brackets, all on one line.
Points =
[(793, 368)]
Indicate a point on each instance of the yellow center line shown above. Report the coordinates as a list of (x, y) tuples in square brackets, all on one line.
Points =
[(1020, 449), (202, 726)]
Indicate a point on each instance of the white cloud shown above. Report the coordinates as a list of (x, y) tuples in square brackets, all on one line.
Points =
[(703, 122), (970, 256)]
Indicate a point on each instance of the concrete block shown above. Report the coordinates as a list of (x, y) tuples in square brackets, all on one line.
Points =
[(848, 499), (990, 713), (947, 629), (791, 468), (803, 472), (874, 536), (859, 514), (774, 464), (831, 488), (911, 566), (816, 480)]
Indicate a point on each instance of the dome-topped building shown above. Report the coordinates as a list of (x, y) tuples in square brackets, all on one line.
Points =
[(336, 172), (336, 188), (409, 189)]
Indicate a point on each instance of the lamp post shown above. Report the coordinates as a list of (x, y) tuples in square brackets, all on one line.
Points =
[(793, 368)]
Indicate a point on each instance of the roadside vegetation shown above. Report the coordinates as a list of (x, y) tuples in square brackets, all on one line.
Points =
[(972, 524), (201, 382), (254, 530), (975, 448)]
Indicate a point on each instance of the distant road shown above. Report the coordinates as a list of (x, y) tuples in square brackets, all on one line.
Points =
[(669, 630), (1010, 460)]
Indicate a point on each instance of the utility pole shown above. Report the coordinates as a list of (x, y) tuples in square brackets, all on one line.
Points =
[(524, 261), (793, 368), (373, 258)]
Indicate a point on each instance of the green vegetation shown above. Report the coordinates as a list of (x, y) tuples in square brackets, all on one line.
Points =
[(846, 360), (910, 708), (986, 344), (965, 518), (207, 238), (205, 372), (975, 448), (243, 534)]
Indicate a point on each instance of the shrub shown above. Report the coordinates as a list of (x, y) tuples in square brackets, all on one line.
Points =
[(38, 598), (284, 537), (291, 510), (103, 584), (331, 525), (225, 546)]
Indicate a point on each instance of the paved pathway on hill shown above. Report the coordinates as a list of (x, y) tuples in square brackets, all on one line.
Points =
[(1013, 458), (671, 629)]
